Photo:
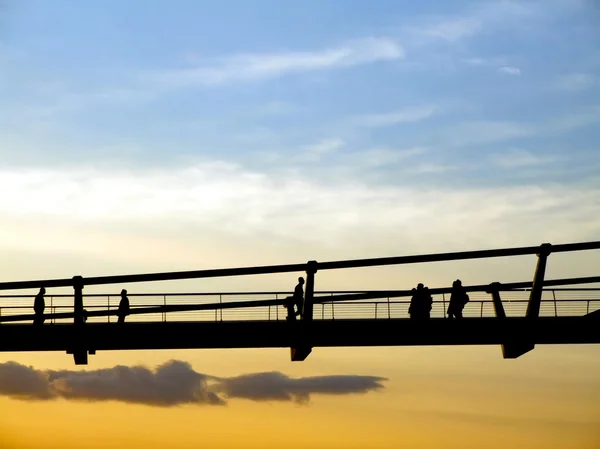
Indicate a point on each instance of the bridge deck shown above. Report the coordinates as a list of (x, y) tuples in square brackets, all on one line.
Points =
[(323, 333)]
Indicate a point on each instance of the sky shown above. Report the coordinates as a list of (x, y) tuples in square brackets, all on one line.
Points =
[(155, 136)]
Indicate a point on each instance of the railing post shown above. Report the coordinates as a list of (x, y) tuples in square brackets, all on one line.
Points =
[(300, 351), (444, 305), (554, 297), (535, 297), (80, 352), (78, 300)]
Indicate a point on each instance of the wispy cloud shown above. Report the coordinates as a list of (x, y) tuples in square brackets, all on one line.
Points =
[(315, 152), (509, 70), (452, 29), (475, 19), (408, 115), (223, 199), (485, 132), (520, 158), (575, 82), (490, 61), (252, 67), (382, 157), (171, 384)]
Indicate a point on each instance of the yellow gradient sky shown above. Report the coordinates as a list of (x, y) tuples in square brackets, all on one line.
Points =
[(435, 397)]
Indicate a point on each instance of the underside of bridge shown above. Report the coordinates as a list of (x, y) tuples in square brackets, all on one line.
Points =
[(511, 333)]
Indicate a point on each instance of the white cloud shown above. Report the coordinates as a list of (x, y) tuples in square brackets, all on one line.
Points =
[(484, 61), (408, 115), (247, 67), (520, 158), (225, 198), (508, 70), (315, 152), (382, 157), (485, 131), (475, 61), (576, 82), (478, 18), (452, 29)]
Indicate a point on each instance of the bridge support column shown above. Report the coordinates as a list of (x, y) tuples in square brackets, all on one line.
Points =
[(535, 297), (494, 290), (79, 350), (508, 348), (300, 352), (523, 344)]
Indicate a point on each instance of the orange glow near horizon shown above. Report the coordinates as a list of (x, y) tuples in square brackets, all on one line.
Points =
[(435, 397)]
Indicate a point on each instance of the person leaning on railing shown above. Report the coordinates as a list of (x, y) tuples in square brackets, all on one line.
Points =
[(123, 307), (39, 305)]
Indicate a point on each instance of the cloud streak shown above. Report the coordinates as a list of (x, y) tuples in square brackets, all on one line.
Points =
[(258, 66), (576, 82), (224, 199), (409, 115), (509, 70), (520, 158), (171, 384)]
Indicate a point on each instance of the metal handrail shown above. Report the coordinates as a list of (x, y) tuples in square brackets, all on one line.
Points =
[(342, 307), (313, 265)]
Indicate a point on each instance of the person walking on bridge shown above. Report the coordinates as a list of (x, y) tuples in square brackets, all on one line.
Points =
[(458, 300), (299, 296), (123, 306), (39, 305)]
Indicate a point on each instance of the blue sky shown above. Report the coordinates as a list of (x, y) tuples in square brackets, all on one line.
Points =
[(440, 88), (423, 123)]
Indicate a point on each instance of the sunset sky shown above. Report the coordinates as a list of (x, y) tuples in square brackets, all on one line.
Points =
[(149, 135)]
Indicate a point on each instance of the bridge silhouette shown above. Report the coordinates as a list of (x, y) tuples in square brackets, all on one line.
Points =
[(516, 315)]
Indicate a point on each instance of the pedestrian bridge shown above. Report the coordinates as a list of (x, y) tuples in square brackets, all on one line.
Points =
[(514, 315)]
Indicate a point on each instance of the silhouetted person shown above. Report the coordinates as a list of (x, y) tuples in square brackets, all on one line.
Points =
[(413, 309), (458, 300), (299, 296), (123, 306), (39, 305), (289, 305), (427, 303), (420, 303)]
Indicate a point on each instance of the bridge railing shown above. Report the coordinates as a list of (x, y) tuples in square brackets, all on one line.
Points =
[(311, 267), (555, 302)]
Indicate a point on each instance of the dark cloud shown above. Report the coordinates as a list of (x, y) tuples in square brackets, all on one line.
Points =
[(276, 386), (22, 382), (170, 384)]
